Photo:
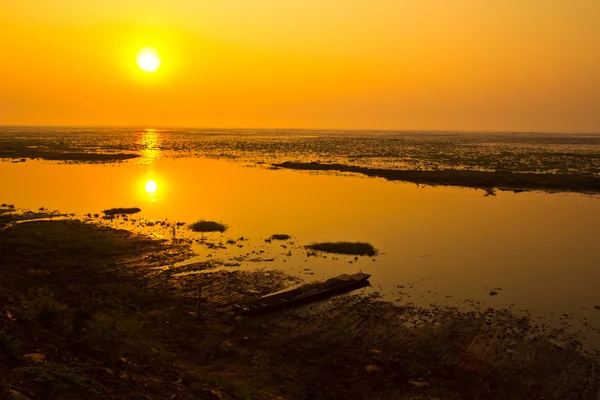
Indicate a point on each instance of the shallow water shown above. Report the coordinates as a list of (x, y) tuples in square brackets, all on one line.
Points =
[(442, 245), (532, 152)]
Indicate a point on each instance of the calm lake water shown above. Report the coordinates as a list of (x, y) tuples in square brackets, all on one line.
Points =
[(441, 245)]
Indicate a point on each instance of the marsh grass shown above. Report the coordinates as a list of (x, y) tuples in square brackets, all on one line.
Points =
[(41, 308), (120, 211), (280, 236), (10, 344), (350, 248), (208, 226), (59, 376)]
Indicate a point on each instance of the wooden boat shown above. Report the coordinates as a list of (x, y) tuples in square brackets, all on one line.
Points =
[(304, 294)]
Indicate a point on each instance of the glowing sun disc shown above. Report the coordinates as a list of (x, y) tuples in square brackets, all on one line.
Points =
[(151, 187), (148, 60)]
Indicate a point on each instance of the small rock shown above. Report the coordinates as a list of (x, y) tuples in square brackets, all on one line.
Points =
[(418, 383), (372, 368), (35, 357), (226, 347), (38, 272), (493, 293)]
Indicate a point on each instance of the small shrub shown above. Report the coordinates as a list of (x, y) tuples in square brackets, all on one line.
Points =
[(208, 226), (105, 333), (10, 344), (43, 309)]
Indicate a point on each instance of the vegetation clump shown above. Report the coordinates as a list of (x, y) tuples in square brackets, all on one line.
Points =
[(59, 376), (280, 236), (351, 248), (120, 210), (208, 226)]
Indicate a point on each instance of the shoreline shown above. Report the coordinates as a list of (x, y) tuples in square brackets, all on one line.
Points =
[(103, 312), (488, 181)]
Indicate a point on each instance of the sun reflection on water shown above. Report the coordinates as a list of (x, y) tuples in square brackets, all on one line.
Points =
[(150, 144), (151, 187)]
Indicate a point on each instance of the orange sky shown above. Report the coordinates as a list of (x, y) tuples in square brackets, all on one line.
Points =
[(383, 64)]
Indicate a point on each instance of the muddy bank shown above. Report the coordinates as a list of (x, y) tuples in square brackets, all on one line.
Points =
[(89, 311), (511, 181)]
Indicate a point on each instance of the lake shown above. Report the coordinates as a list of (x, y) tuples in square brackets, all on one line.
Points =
[(438, 245)]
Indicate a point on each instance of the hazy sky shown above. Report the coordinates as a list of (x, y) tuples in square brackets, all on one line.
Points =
[(382, 64)]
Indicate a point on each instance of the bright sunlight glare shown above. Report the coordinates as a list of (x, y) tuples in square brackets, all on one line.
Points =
[(151, 187), (148, 59)]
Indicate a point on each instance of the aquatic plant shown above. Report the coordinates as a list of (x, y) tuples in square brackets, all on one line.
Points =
[(351, 248), (208, 226), (280, 236)]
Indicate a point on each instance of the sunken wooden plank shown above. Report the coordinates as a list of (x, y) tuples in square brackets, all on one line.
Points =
[(304, 294)]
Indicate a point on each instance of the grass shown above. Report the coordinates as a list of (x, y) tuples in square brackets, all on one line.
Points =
[(42, 308), (119, 211), (59, 376), (350, 248), (82, 317), (208, 226), (10, 344)]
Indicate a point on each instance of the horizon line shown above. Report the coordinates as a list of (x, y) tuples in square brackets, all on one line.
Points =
[(573, 132)]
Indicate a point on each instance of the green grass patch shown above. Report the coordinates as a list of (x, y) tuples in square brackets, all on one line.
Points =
[(351, 248), (208, 226)]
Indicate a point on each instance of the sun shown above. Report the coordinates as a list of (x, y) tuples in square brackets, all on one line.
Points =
[(151, 187), (148, 59)]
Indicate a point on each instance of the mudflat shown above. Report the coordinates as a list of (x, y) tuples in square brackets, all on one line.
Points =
[(89, 311)]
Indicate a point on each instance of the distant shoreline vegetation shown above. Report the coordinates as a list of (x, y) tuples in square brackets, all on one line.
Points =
[(120, 211), (511, 181), (22, 154)]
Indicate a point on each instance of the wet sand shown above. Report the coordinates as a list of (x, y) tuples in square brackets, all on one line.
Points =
[(96, 312)]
